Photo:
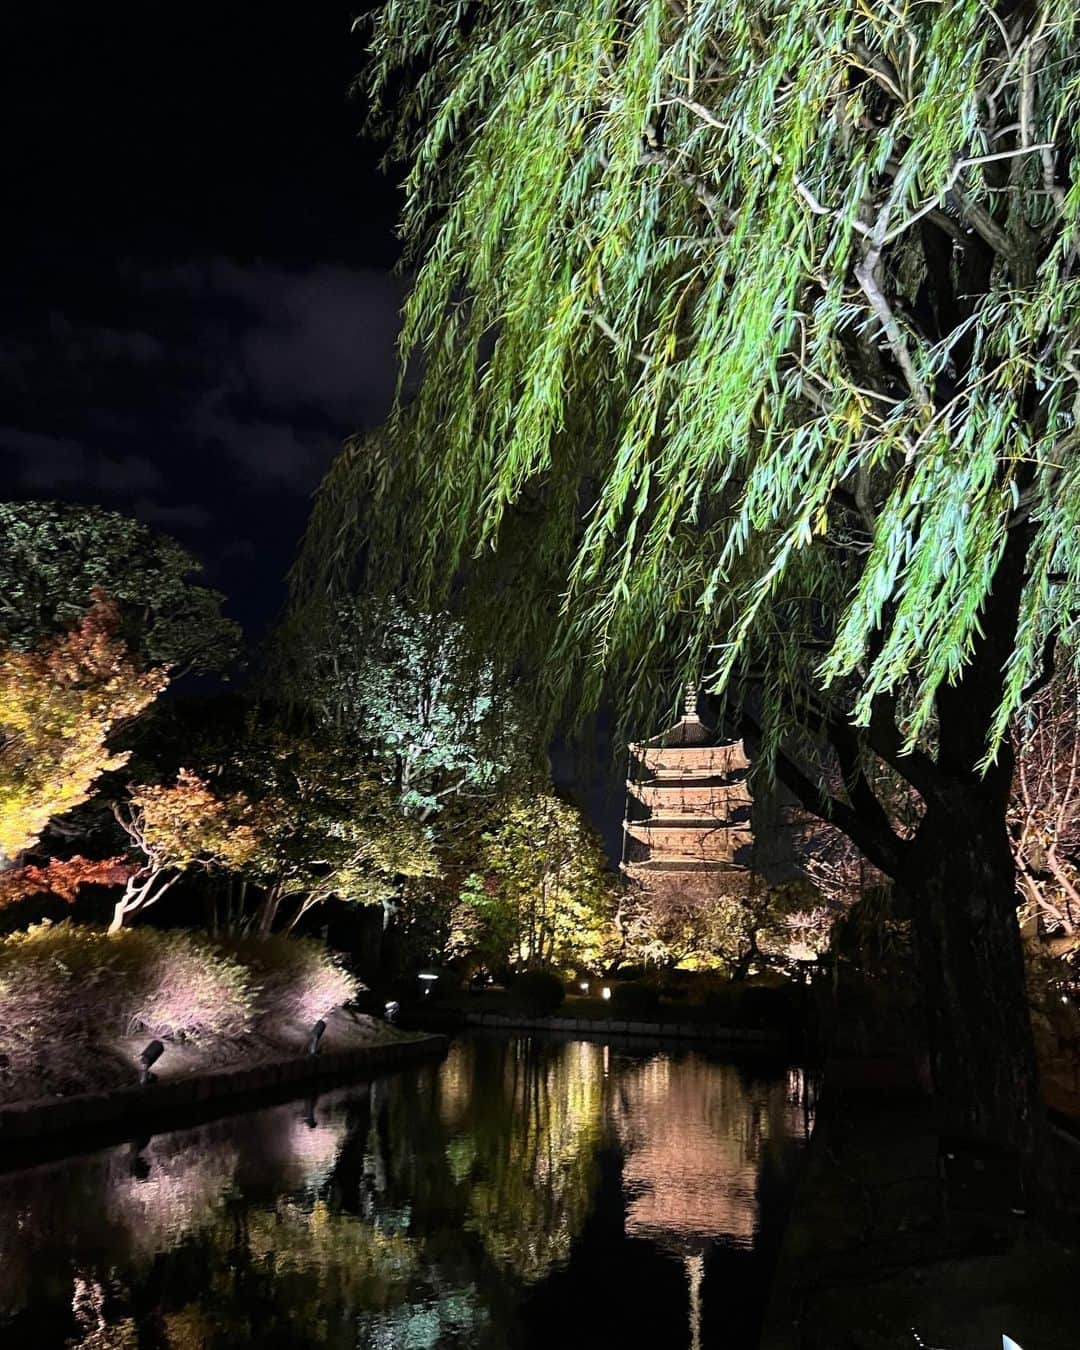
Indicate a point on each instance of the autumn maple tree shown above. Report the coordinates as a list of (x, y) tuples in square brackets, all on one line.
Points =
[(178, 826), (58, 705), (61, 877)]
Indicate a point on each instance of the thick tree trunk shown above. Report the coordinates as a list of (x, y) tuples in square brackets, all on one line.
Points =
[(960, 878), (959, 873)]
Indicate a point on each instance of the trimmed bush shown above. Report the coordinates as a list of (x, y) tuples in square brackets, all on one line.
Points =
[(296, 979), (65, 979), (635, 999), (67, 991), (537, 992)]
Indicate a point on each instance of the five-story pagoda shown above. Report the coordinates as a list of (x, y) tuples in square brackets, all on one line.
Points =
[(688, 815)]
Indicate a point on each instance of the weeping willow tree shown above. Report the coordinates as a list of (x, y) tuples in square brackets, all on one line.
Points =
[(744, 341)]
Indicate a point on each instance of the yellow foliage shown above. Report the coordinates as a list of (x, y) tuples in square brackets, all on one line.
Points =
[(58, 705)]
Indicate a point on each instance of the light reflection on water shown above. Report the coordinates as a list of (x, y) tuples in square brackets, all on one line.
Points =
[(520, 1193)]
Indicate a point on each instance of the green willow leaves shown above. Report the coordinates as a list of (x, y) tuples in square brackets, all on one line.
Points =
[(742, 337)]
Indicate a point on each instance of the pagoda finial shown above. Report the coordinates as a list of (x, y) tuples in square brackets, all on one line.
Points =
[(690, 703)]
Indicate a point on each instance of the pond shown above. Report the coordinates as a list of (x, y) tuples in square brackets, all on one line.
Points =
[(522, 1192)]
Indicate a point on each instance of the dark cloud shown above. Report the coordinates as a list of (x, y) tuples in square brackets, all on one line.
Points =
[(202, 308), (264, 368), (225, 396), (42, 465), (187, 516), (325, 337)]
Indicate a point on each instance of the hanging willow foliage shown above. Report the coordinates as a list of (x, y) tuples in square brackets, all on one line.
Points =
[(743, 337)]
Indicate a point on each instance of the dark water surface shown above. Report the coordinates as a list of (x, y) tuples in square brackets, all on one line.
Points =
[(521, 1193)]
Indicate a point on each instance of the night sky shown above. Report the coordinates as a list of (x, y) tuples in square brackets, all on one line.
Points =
[(199, 302), (199, 294)]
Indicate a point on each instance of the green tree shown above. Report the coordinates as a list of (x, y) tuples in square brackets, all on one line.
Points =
[(324, 823), (54, 556), (413, 691), (749, 331), (540, 894)]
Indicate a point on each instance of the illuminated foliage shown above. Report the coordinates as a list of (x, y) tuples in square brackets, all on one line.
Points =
[(62, 877), (58, 705), (55, 555), (67, 991), (540, 894), (700, 921), (325, 823), (746, 352), (416, 695), (177, 827), (760, 286), (299, 980)]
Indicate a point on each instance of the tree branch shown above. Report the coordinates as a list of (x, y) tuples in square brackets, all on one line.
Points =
[(881, 846)]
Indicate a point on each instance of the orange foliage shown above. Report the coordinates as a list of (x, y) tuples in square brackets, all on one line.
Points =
[(58, 705), (187, 824), (62, 877)]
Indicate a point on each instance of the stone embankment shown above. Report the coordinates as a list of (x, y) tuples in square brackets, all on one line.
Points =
[(60, 1124), (596, 1026)]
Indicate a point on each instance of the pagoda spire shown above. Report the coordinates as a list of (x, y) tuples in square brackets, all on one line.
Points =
[(690, 700)]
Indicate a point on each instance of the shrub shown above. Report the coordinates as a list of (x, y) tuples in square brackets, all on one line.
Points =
[(65, 980), (636, 999), (66, 991), (296, 979), (538, 992), (191, 989), (750, 1005)]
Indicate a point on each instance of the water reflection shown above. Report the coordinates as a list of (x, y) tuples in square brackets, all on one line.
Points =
[(446, 1206)]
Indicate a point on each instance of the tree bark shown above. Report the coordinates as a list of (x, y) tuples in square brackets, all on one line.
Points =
[(959, 873), (959, 876)]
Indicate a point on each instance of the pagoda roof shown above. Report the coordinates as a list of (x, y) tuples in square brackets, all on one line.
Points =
[(655, 866), (688, 730)]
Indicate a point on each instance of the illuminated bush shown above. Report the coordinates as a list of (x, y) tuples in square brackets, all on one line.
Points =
[(296, 979), (193, 990), (67, 991)]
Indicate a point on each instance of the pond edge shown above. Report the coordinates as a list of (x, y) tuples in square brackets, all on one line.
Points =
[(92, 1119)]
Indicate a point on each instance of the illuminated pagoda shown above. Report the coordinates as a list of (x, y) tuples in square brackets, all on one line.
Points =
[(688, 810)]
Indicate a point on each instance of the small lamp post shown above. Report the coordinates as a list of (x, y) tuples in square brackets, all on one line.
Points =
[(427, 982)]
